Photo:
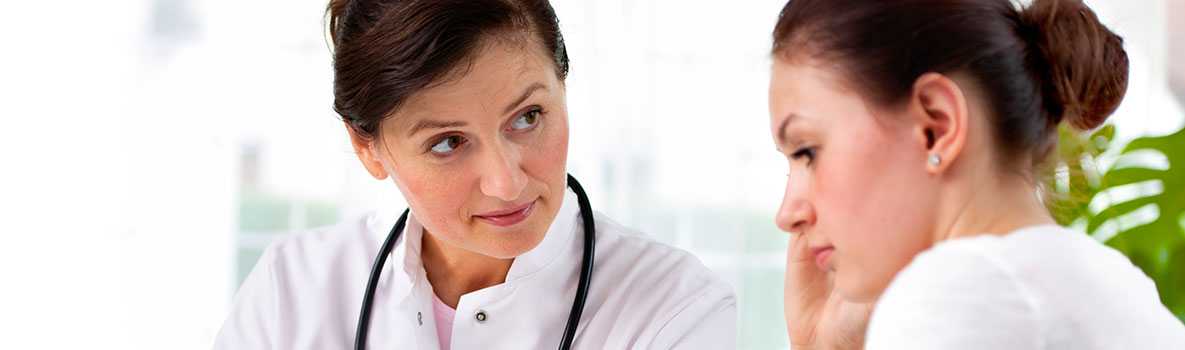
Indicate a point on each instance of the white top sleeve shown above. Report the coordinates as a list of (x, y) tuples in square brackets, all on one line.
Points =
[(955, 298), (253, 315), (706, 322)]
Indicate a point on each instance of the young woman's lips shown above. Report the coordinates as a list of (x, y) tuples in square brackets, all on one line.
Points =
[(509, 216), (822, 255)]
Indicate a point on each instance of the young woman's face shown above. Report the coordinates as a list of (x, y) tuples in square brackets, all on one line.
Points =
[(481, 158), (857, 188)]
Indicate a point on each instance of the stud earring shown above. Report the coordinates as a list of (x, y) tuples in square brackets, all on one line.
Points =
[(934, 160)]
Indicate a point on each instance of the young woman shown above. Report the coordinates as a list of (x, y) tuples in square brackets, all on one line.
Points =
[(461, 104), (916, 131)]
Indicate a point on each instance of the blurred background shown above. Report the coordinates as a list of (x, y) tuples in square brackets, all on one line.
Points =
[(150, 149)]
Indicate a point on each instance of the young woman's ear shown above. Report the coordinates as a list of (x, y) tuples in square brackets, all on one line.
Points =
[(943, 117), (366, 151)]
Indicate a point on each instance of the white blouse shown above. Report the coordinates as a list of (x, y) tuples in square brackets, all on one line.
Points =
[(1042, 287), (306, 291)]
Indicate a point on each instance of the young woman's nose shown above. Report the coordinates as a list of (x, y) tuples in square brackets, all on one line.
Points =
[(796, 213)]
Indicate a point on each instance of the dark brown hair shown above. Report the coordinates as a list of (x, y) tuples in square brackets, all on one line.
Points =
[(1039, 66), (387, 50)]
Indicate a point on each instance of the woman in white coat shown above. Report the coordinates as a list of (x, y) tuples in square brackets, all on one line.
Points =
[(461, 104)]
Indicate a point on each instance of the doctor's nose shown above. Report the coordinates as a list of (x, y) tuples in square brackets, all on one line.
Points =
[(502, 176), (796, 214)]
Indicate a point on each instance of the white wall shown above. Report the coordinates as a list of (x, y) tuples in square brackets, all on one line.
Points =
[(121, 141)]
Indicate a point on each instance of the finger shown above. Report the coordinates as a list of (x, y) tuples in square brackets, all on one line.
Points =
[(798, 248), (800, 265), (806, 286), (806, 292)]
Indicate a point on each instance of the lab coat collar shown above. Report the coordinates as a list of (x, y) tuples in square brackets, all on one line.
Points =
[(555, 243), (405, 254)]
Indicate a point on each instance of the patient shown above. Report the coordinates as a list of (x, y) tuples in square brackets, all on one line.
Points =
[(916, 133)]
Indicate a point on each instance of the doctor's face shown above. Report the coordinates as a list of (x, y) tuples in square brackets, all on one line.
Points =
[(857, 190), (481, 157)]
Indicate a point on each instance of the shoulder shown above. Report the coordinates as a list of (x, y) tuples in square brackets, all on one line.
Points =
[(966, 270), (632, 255), (320, 261), (672, 295), (957, 294), (1037, 287), (287, 289), (1065, 267), (1090, 293), (1027, 262), (350, 235)]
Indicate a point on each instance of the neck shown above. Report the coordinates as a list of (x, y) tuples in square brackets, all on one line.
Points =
[(454, 271), (996, 206)]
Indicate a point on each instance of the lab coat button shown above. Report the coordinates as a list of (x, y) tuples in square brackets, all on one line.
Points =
[(481, 316)]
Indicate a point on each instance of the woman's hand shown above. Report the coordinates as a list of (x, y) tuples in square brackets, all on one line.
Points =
[(817, 317)]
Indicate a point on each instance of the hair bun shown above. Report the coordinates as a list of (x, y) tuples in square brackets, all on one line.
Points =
[(1084, 70)]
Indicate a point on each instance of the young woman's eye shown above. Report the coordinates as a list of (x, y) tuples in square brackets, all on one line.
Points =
[(805, 152), (527, 120), (447, 145)]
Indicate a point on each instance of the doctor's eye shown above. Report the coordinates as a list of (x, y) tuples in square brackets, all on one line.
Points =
[(527, 120), (447, 145), (804, 152)]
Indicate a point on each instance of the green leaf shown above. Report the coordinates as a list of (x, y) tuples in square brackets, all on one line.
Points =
[(1073, 204), (1118, 210), (1127, 176), (1158, 247), (1172, 284)]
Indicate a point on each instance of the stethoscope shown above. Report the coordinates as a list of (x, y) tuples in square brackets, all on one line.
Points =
[(586, 269)]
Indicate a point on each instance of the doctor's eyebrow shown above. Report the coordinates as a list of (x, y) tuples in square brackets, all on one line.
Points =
[(434, 124), (526, 93), (438, 124)]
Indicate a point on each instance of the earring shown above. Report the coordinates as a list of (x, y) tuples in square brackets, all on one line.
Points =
[(934, 159)]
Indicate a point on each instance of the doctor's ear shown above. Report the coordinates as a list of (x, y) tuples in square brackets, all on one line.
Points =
[(366, 149), (942, 112)]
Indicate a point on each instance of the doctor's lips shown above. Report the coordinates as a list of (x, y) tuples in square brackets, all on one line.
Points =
[(508, 216), (822, 255)]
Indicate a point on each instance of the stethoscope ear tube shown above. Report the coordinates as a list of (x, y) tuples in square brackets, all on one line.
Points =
[(372, 283), (586, 266)]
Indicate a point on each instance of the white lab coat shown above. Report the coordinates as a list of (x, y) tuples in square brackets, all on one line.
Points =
[(306, 291)]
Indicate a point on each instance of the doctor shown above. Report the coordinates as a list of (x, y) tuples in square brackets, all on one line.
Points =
[(462, 105)]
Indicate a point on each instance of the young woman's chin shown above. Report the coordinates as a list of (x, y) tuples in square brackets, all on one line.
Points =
[(856, 288)]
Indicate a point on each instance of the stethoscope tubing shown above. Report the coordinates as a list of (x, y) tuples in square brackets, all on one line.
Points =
[(583, 286)]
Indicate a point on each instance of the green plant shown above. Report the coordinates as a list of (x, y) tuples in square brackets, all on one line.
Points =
[(1157, 246)]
